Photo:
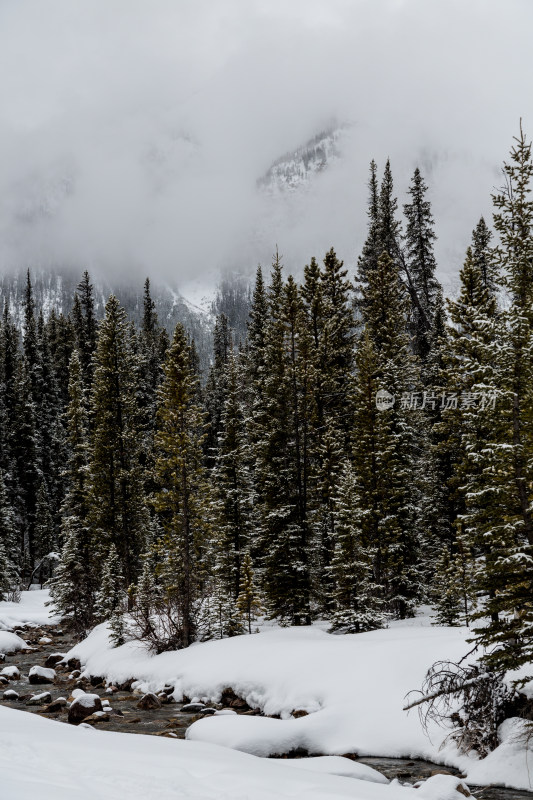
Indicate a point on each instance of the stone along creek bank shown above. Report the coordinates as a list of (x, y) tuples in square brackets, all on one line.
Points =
[(119, 709)]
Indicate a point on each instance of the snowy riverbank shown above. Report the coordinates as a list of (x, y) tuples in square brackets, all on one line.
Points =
[(352, 687), (30, 611), (54, 761)]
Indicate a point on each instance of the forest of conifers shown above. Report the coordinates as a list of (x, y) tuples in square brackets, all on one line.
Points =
[(368, 448)]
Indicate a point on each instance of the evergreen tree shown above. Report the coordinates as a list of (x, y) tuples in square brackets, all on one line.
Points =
[(357, 602), (499, 492), (118, 511), (248, 600), (448, 610), (10, 550), (61, 340), (26, 459), (73, 586), (215, 389), (87, 333), (180, 499), (45, 533), (420, 259), (281, 431), (110, 600), (388, 226), (231, 486), (482, 255), (372, 249), (385, 441)]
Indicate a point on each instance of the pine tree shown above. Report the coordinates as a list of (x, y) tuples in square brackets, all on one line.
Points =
[(49, 425), (88, 329), (149, 350), (110, 600), (388, 226), (248, 601), (61, 339), (26, 460), (45, 533), (385, 441), (146, 597), (73, 586), (281, 433), (357, 602), (231, 486), (482, 255), (499, 494), (10, 550), (420, 261), (368, 260), (30, 333), (180, 500), (329, 329), (462, 421), (118, 510), (215, 387), (448, 609)]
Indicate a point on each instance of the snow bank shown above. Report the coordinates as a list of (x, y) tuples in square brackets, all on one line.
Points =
[(10, 642), (85, 763), (353, 688), (31, 611), (511, 763), (335, 765)]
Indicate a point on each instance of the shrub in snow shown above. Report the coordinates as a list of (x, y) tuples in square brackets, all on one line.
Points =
[(468, 699)]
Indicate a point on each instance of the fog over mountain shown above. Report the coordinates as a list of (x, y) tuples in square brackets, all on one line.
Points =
[(134, 135)]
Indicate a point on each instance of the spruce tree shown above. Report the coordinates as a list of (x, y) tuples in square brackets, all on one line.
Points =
[(88, 331), (420, 259), (372, 249), (180, 501), (231, 486), (248, 601), (110, 600), (45, 534), (118, 511), (357, 601), (73, 586), (10, 550), (385, 441), (215, 388), (500, 494), (281, 435), (26, 459), (483, 258)]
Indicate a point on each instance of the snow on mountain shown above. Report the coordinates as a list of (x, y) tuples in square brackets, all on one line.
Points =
[(295, 170), (55, 288)]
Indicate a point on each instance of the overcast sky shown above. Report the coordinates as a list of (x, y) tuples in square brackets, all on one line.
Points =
[(132, 133)]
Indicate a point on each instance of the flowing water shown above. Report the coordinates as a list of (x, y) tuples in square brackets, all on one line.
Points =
[(169, 720)]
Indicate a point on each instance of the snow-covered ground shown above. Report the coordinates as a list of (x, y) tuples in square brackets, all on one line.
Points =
[(54, 761), (353, 688), (31, 610), (10, 642)]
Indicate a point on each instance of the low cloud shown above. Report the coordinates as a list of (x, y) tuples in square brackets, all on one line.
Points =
[(132, 134)]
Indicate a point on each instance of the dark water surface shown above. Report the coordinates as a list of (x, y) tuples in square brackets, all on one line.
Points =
[(169, 720)]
